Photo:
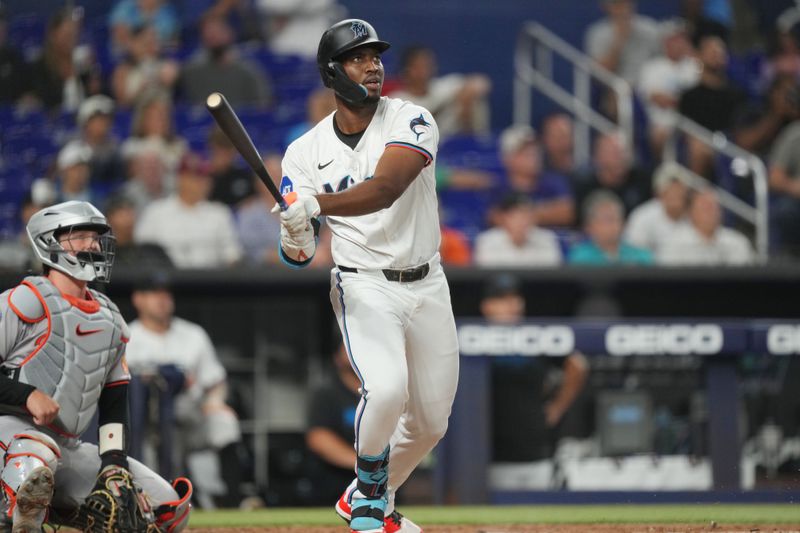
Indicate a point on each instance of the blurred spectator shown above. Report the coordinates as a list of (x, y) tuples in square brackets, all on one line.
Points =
[(65, 73), (522, 161), (218, 67), (127, 15), (458, 102), (783, 56), (664, 78), (330, 434), (13, 70), (289, 23), (242, 15), (604, 216), (623, 40), (614, 169), (784, 184), (705, 242), (700, 24), (143, 70), (517, 241), (159, 338), (454, 248), (530, 395), (558, 145), (73, 174), (233, 183), (15, 251), (652, 224), (121, 215), (147, 177), (711, 103), (319, 104), (756, 126), (153, 127), (259, 229), (95, 119), (195, 232)]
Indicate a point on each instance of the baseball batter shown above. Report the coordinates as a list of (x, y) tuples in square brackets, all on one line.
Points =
[(62, 349), (369, 168)]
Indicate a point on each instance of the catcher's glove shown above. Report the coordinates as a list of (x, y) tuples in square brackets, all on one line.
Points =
[(117, 505)]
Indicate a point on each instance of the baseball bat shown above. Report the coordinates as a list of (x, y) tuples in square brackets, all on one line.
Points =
[(230, 124)]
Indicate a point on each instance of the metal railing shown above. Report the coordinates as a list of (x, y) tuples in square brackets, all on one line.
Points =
[(533, 69)]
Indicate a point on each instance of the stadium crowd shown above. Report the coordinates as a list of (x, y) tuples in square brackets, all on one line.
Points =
[(107, 108)]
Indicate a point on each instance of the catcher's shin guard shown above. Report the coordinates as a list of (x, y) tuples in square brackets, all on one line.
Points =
[(27, 479), (173, 516)]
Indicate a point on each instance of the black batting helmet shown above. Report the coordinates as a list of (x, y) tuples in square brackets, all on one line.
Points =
[(336, 41)]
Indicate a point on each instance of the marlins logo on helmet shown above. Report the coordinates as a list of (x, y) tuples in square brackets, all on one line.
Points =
[(359, 29), (419, 122)]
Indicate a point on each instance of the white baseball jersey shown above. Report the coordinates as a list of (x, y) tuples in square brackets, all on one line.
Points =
[(401, 236)]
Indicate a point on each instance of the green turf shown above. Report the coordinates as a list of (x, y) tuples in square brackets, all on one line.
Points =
[(552, 514)]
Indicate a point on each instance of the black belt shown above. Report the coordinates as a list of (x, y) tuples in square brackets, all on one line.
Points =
[(408, 274)]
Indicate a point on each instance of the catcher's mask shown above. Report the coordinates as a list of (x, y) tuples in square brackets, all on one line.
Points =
[(51, 226), (337, 40)]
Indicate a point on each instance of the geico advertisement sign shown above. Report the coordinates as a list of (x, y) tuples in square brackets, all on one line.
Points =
[(529, 340), (783, 339), (674, 339)]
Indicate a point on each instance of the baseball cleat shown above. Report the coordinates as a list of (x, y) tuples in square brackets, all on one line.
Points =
[(394, 523), (32, 499)]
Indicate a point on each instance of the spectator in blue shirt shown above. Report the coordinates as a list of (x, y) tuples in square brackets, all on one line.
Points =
[(603, 214)]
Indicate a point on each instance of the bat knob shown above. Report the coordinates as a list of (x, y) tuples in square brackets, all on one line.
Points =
[(214, 100)]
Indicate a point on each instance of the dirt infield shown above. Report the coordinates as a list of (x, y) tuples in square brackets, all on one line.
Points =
[(550, 528)]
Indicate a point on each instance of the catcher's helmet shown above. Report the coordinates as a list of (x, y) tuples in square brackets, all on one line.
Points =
[(337, 40), (46, 226)]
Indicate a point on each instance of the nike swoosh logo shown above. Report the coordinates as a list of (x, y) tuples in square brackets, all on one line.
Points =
[(84, 332), (320, 167)]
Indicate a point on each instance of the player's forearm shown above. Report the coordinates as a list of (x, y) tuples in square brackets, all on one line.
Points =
[(13, 392), (114, 425), (576, 370), (362, 199)]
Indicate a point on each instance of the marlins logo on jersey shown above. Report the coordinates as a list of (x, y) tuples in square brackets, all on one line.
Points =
[(419, 125)]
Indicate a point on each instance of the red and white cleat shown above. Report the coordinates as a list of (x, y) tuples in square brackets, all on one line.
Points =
[(394, 523)]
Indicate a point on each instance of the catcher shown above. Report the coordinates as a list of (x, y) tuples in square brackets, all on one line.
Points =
[(62, 349)]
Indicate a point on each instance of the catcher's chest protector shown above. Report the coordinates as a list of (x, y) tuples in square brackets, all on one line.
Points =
[(79, 351)]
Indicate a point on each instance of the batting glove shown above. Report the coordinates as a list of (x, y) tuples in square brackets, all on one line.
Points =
[(299, 247), (297, 218)]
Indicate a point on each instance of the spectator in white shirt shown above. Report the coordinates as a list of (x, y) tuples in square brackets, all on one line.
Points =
[(705, 242), (517, 242), (664, 78), (651, 224), (195, 232)]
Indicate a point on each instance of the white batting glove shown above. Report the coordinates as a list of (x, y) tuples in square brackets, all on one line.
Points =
[(299, 247), (297, 218)]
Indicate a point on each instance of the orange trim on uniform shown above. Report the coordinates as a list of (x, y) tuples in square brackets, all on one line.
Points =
[(31, 437), (49, 325), (186, 496), (178, 521), (55, 429), (117, 383), (124, 339), (3, 445), (17, 312), (87, 305), (12, 498), (10, 456)]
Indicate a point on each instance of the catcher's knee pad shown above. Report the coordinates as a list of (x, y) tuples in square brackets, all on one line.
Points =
[(173, 516), (26, 452)]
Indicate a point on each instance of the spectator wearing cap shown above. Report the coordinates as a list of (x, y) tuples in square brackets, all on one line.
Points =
[(195, 232), (604, 216), (95, 119), (552, 198), (531, 396), (13, 70), (73, 173), (650, 225), (705, 241), (517, 241), (614, 169)]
